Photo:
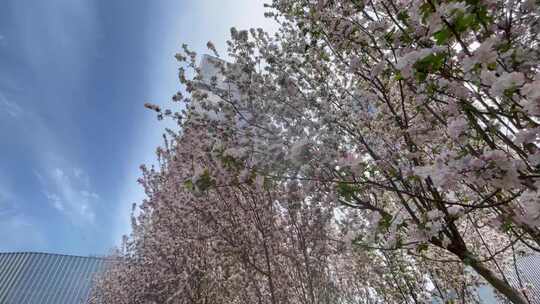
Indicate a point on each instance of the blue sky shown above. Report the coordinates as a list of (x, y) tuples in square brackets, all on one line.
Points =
[(74, 75)]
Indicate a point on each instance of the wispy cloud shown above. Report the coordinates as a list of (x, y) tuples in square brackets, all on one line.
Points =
[(63, 26), (50, 48), (55, 200), (9, 107), (69, 192)]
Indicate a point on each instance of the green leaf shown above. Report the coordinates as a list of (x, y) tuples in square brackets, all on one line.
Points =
[(406, 38), (403, 16), (385, 221), (189, 185), (204, 182), (442, 36), (422, 247), (465, 21), (432, 88), (359, 4), (482, 13), (389, 36), (230, 163), (425, 10), (429, 64), (421, 76), (510, 91), (346, 190), (507, 225), (325, 56)]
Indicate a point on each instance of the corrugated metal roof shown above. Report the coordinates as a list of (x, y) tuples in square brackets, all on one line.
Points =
[(529, 276), (42, 278)]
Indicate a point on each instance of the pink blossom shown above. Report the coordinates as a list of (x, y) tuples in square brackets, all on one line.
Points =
[(507, 81), (457, 127)]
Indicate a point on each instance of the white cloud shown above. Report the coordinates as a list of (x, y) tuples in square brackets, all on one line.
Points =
[(87, 194), (9, 107), (58, 173), (51, 40), (78, 172), (68, 192), (56, 201)]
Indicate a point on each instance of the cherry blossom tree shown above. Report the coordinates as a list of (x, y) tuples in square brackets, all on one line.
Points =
[(226, 237), (366, 151)]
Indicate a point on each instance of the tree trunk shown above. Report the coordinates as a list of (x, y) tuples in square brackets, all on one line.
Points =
[(501, 286), (459, 248)]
